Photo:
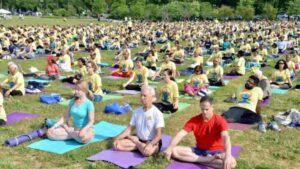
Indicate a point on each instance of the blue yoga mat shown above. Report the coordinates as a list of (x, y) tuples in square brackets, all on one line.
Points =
[(38, 80), (279, 91), (103, 130)]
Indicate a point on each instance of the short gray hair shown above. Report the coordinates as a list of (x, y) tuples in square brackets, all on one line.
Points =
[(149, 88), (13, 64)]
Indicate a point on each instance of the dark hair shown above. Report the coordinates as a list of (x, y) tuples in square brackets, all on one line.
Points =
[(139, 59), (255, 79), (284, 62), (240, 53), (170, 73), (83, 61), (199, 67), (208, 99)]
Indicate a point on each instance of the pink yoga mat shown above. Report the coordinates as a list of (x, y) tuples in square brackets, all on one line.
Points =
[(183, 165), (228, 77), (18, 116), (239, 126), (126, 159), (111, 77)]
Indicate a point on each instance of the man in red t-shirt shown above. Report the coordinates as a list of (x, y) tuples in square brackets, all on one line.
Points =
[(213, 142)]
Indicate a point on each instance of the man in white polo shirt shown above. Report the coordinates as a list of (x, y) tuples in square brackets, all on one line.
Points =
[(148, 122)]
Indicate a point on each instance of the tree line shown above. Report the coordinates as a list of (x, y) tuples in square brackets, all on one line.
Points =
[(158, 9)]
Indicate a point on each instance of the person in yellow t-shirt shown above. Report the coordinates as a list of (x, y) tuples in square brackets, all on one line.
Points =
[(291, 66), (239, 67), (151, 61), (65, 61), (169, 93), (248, 109), (125, 67), (94, 81), (215, 74), (197, 60), (167, 64), (3, 117), (80, 75), (15, 81), (178, 55), (197, 84), (281, 77), (140, 73)]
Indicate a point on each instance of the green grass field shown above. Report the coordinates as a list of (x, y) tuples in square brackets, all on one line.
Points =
[(271, 150)]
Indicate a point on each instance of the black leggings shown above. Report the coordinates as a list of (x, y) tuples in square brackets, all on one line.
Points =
[(164, 107), (241, 115), (14, 92), (215, 83), (2, 122), (133, 87)]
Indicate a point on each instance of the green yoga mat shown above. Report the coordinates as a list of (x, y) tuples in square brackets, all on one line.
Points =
[(279, 91), (105, 98), (217, 87), (181, 106), (103, 130), (2, 76)]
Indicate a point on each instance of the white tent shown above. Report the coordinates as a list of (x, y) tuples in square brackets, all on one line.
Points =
[(3, 11)]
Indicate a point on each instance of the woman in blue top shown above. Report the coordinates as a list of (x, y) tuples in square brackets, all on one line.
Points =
[(81, 109)]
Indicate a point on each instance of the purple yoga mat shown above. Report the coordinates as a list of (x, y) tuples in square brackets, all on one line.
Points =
[(239, 126), (111, 77), (266, 102), (228, 77), (14, 141), (111, 69), (183, 165), (17, 116), (68, 85), (126, 159)]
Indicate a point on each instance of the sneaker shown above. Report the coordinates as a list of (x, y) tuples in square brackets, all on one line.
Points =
[(262, 127), (274, 126)]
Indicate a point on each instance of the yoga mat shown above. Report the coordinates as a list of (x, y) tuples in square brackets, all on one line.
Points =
[(111, 97), (65, 102), (103, 130), (181, 106), (235, 151), (104, 64), (217, 87), (179, 80), (266, 102), (62, 77), (126, 159), (131, 92), (38, 80), (71, 86), (18, 116), (112, 77), (111, 69), (239, 126), (228, 77), (279, 91), (2, 76)]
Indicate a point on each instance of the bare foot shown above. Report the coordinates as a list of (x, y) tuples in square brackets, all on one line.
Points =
[(220, 156)]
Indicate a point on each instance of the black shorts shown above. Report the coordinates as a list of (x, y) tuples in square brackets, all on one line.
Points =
[(13, 93), (159, 144)]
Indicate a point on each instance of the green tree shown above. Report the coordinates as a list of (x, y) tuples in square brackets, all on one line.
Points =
[(269, 11), (206, 10), (172, 11), (120, 12), (99, 6), (193, 9), (294, 7), (245, 9), (225, 11), (152, 11)]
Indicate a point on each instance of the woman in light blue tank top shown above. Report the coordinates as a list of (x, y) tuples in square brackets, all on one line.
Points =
[(81, 109)]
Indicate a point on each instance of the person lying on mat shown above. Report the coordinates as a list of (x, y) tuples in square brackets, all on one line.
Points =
[(125, 67), (148, 122), (81, 109), (3, 117), (213, 147), (140, 73), (281, 77), (215, 74), (95, 92), (167, 64), (248, 110), (197, 84), (15, 81), (169, 93)]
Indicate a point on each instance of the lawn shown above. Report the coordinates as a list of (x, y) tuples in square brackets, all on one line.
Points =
[(271, 150)]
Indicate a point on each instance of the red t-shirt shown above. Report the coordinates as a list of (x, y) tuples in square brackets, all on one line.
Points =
[(207, 134), (52, 70)]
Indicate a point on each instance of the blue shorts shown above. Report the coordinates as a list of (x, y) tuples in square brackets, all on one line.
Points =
[(206, 152)]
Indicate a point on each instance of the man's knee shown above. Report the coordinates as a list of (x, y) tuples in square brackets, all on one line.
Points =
[(175, 152)]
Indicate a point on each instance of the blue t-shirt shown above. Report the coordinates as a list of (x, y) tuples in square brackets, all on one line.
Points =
[(80, 113)]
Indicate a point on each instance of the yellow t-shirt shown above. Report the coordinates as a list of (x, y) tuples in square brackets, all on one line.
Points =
[(179, 54), (141, 75), (151, 62), (198, 80), (170, 65), (281, 77), (16, 79), (198, 60), (256, 58), (83, 71), (126, 65), (98, 57), (95, 84), (66, 59), (169, 92), (215, 74), (241, 65), (2, 111), (291, 65), (249, 98), (263, 52)]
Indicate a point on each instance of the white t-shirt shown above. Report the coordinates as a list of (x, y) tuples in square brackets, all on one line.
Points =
[(147, 122)]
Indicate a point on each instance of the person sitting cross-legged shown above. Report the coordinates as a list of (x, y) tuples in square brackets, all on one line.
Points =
[(148, 122), (213, 142)]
